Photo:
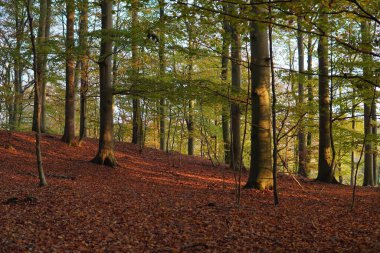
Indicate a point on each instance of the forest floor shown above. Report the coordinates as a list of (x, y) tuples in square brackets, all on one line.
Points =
[(158, 202)]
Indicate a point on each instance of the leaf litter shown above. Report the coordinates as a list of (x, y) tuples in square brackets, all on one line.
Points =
[(159, 202)]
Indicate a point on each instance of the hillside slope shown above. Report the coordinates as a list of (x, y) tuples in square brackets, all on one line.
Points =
[(155, 202)]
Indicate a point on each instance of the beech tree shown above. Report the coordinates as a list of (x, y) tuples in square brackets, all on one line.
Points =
[(42, 37), (235, 89), (105, 153), (84, 66), (260, 174), (69, 130), (325, 169), (136, 118)]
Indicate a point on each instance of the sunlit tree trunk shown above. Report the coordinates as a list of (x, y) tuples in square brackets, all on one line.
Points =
[(69, 130), (106, 147), (84, 60), (302, 163), (235, 88), (261, 171), (325, 170)]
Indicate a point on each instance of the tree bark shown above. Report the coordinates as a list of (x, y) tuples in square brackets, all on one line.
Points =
[(69, 130), (368, 111), (41, 49), (309, 88), (325, 170), (18, 69), (261, 171), (105, 155), (84, 60), (41, 173), (161, 55), (235, 89), (136, 104), (190, 128), (44, 66), (224, 73), (353, 142), (374, 132), (302, 163)]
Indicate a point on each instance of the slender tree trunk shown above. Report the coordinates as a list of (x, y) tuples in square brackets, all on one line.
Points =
[(302, 163), (261, 171), (41, 45), (325, 170), (190, 129), (309, 88), (84, 60), (41, 173), (136, 104), (225, 109), (106, 147), (236, 88), (69, 130), (17, 103), (367, 61), (374, 132), (353, 142), (191, 102), (161, 54), (44, 66)]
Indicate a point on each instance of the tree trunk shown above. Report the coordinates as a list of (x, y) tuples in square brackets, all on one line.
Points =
[(368, 111), (302, 163), (325, 170), (17, 102), (41, 68), (236, 88), (261, 171), (44, 66), (161, 55), (374, 132), (190, 129), (136, 111), (41, 173), (353, 142), (69, 130), (84, 60), (225, 113), (310, 95), (106, 150)]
